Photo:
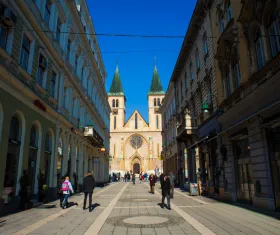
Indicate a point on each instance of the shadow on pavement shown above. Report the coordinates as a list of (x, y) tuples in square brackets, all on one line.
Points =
[(246, 206), (94, 205)]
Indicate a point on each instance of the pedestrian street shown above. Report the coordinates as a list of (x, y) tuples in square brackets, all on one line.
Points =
[(125, 209)]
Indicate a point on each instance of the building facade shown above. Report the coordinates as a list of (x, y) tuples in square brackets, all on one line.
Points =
[(247, 63), (169, 131), (52, 91), (135, 144), (194, 84)]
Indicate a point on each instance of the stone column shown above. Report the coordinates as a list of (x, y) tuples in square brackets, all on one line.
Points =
[(53, 171), (86, 161), (81, 156), (73, 160)]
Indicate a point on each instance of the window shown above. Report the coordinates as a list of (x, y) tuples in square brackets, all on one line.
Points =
[(205, 44), (157, 126), (41, 73), (33, 136), (229, 11), (14, 129), (3, 36), (52, 85), (222, 25), (197, 61), (158, 101), (48, 143), (25, 52), (136, 121), (186, 79), (76, 62), (68, 49), (236, 75), (47, 14), (274, 33), (191, 72), (113, 103), (115, 122), (117, 103), (155, 102), (58, 30), (227, 85), (82, 73), (259, 49)]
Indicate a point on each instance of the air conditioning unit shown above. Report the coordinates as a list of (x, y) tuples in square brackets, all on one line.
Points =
[(9, 17)]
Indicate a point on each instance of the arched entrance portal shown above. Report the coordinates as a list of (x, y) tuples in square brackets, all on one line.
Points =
[(136, 165), (136, 168)]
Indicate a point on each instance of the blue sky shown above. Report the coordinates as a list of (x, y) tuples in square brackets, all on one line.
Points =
[(146, 17)]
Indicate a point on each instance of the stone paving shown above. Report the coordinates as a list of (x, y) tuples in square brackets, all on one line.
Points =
[(127, 209)]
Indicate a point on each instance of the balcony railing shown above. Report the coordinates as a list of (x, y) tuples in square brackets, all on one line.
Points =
[(92, 135), (187, 126)]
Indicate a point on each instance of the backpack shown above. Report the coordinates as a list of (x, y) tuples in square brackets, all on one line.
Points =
[(65, 186)]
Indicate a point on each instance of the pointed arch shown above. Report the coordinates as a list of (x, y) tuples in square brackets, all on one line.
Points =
[(113, 103), (115, 122), (157, 122), (117, 103), (155, 102), (136, 121), (158, 101)]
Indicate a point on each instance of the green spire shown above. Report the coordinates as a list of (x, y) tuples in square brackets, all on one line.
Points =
[(156, 87), (116, 87)]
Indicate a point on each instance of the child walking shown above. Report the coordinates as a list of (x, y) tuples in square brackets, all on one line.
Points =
[(66, 189)]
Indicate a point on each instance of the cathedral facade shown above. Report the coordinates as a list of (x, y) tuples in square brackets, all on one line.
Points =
[(135, 144)]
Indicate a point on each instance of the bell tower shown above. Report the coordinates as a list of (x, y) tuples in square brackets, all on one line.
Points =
[(155, 97), (116, 98)]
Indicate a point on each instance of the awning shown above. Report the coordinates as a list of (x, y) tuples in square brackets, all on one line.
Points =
[(198, 142)]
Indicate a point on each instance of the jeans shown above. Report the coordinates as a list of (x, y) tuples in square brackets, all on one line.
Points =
[(89, 199), (172, 191), (133, 181), (167, 196), (65, 201), (61, 198)]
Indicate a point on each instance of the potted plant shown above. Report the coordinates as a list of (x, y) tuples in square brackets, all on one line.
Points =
[(24, 192)]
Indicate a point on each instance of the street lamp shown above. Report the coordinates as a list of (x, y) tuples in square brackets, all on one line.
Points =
[(205, 107)]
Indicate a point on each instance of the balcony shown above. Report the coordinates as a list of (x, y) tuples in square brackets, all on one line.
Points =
[(186, 128), (93, 137)]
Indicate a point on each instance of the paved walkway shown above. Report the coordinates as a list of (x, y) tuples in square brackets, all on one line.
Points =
[(127, 209)]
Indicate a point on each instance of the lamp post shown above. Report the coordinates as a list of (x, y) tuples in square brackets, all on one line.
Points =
[(205, 106)]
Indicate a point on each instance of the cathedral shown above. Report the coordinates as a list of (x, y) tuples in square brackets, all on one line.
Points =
[(135, 144)]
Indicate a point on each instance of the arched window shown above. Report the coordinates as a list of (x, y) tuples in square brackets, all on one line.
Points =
[(191, 72), (227, 83), (33, 136), (158, 101), (117, 103), (157, 124), (115, 122), (155, 102), (15, 129), (113, 103), (48, 143), (274, 33), (197, 61), (259, 49), (205, 44), (136, 121)]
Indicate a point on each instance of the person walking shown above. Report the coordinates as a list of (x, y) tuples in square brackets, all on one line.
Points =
[(133, 178), (89, 185), (171, 178), (59, 191), (165, 192), (161, 179), (152, 180), (66, 188)]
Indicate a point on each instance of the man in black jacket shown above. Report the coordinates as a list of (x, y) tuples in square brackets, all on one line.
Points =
[(165, 192), (89, 185)]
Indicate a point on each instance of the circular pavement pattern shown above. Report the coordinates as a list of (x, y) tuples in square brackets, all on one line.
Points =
[(145, 221)]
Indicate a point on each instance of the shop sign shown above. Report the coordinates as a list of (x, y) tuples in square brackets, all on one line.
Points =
[(193, 189), (39, 105)]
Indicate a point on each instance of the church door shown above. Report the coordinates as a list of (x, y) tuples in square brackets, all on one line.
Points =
[(136, 168)]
